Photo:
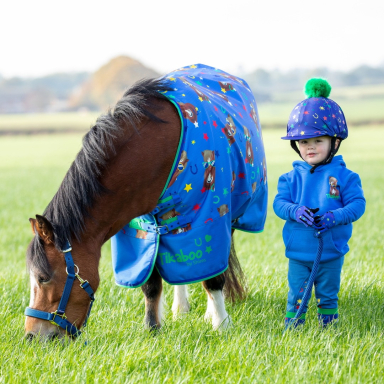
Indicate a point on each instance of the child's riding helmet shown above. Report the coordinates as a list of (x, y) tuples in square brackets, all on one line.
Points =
[(317, 116)]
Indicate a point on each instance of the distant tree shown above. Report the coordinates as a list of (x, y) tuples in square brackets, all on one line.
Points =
[(61, 84), (24, 95), (277, 84), (364, 75), (109, 83)]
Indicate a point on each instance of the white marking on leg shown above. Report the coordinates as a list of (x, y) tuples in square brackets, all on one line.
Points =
[(180, 300), (220, 317), (209, 312)]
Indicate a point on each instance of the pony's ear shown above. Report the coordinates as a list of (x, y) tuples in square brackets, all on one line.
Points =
[(33, 225), (44, 229)]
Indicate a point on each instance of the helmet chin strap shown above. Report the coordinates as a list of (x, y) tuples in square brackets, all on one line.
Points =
[(332, 152), (294, 147)]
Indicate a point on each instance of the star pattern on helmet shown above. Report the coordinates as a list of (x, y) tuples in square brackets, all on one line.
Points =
[(316, 111)]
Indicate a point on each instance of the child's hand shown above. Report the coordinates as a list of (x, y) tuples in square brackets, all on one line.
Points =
[(325, 222), (304, 215)]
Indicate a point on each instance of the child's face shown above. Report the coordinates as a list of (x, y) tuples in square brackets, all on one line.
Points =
[(316, 149)]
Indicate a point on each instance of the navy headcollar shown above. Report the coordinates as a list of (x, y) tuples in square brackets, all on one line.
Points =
[(58, 317)]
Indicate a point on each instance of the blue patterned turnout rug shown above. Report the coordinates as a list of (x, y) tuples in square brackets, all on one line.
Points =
[(218, 182)]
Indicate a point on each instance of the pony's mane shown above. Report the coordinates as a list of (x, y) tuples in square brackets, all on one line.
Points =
[(81, 185)]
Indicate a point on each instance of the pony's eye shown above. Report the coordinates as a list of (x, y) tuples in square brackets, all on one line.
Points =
[(43, 279)]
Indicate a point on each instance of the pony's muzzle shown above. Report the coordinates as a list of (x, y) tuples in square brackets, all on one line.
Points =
[(29, 336), (51, 336)]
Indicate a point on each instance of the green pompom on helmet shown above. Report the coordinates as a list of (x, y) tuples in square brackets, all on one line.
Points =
[(316, 87)]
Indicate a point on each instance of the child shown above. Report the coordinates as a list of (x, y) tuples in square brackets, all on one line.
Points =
[(320, 184)]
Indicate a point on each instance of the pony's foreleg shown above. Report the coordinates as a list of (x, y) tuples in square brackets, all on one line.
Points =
[(153, 292), (180, 300), (216, 307)]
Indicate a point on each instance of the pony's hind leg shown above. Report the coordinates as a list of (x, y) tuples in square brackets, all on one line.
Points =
[(216, 312), (153, 292), (180, 300), (233, 281)]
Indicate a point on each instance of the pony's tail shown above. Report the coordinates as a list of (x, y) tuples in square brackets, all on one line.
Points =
[(235, 282)]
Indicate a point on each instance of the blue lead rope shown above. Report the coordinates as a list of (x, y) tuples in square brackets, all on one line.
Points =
[(311, 280)]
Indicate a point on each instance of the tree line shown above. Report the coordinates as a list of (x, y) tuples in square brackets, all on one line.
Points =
[(53, 93)]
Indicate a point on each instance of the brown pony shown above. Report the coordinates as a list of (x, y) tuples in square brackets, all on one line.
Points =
[(106, 187)]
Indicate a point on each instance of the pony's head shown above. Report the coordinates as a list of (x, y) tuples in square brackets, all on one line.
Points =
[(47, 267)]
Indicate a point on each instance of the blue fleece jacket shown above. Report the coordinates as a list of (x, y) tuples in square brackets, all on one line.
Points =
[(332, 187)]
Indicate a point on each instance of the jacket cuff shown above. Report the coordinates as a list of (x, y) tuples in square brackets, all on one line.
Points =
[(338, 216), (293, 210)]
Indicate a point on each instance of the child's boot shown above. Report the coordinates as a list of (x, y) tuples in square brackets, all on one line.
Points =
[(327, 317), (291, 323)]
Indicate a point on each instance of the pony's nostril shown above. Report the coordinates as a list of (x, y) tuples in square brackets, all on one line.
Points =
[(53, 336), (30, 336)]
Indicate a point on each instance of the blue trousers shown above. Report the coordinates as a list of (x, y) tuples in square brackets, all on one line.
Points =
[(327, 286)]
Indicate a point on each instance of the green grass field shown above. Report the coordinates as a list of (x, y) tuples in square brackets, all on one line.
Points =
[(47, 122), (188, 350)]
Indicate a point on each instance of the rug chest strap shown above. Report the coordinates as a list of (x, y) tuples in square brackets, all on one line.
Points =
[(181, 221)]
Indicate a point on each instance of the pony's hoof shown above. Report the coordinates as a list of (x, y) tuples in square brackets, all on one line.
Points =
[(223, 325), (208, 316), (153, 330), (180, 309), (151, 324)]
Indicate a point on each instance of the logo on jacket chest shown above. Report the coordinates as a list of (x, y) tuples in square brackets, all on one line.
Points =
[(334, 188)]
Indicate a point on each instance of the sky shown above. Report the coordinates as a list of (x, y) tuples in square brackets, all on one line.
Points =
[(42, 37)]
